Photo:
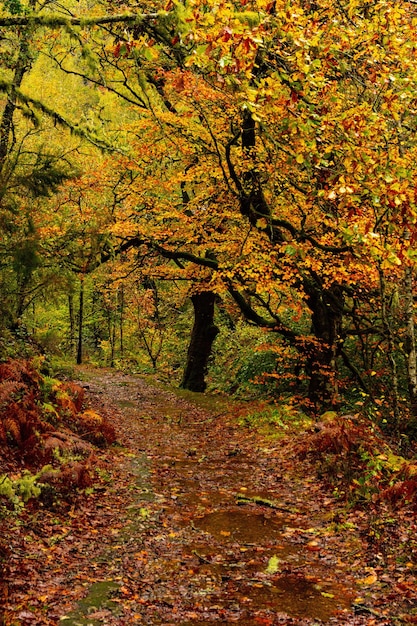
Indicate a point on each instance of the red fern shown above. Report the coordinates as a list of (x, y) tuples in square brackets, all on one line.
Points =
[(404, 491), (24, 421)]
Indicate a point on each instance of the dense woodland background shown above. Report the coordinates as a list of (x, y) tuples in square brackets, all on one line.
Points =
[(220, 195), (234, 181), (219, 192)]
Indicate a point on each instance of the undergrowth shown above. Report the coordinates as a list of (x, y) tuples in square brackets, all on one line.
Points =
[(48, 439), (355, 458), (275, 419), (47, 435)]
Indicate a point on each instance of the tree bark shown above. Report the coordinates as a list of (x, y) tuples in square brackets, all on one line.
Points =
[(80, 324), (411, 341), (71, 315), (389, 336), (23, 65), (121, 302), (326, 318), (202, 337), (326, 305)]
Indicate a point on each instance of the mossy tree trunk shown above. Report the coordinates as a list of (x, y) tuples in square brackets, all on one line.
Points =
[(80, 324)]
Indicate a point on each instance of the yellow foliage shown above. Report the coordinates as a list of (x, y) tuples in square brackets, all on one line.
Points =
[(91, 416)]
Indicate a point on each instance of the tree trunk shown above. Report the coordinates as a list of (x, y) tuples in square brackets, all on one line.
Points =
[(71, 315), (411, 341), (80, 324), (326, 305), (121, 299), (390, 339), (23, 65), (112, 336), (202, 337), (326, 318)]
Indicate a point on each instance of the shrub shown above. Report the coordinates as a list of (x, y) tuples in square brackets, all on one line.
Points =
[(356, 459), (249, 361)]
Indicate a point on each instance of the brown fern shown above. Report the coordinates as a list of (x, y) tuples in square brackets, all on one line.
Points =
[(9, 389), (76, 393), (95, 428), (404, 491), (21, 371)]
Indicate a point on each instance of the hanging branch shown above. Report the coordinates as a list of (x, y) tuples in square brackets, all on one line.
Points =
[(57, 21)]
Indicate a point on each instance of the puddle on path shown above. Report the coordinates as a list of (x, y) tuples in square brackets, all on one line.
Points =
[(233, 545), (293, 595), (241, 526), (296, 596), (299, 595)]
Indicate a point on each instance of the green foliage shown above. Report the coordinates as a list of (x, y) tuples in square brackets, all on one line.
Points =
[(25, 258), (48, 386), (378, 469), (15, 7), (252, 371), (249, 362), (276, 418), (49, 320), (61, 367), (45, 177), (234, 362), (50, 413), (17, 343), (18, 491), (273, 566)]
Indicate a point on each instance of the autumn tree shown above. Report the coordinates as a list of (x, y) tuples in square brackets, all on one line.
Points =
[(319, 156), (291, 129)]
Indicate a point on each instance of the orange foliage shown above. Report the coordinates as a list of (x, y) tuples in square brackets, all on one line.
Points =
[(21, 371), (404, 491), (94, 428), (340, 436), (24, 427), (69, 397)]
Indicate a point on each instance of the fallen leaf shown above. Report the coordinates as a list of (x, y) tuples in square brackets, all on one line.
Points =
[(368, 581), (273, 565)]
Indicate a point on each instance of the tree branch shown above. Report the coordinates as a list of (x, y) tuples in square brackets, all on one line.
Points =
[(57, 21)]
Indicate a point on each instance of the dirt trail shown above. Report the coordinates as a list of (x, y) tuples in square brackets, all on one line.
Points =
[(175, 536)]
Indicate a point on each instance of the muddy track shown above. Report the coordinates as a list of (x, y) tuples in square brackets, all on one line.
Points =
[(200, 521)]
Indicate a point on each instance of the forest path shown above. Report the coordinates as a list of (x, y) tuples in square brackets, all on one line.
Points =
[(200, 521)]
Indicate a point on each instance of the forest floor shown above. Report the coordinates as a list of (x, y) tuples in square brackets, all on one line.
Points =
[(196, 519)]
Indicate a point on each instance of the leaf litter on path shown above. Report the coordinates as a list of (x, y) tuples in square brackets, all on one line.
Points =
[(165, 539)]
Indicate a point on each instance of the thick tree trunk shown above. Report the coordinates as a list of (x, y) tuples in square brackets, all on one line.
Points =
[(326, 317), (202, 337)]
